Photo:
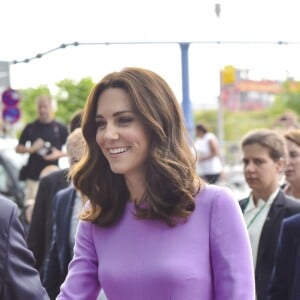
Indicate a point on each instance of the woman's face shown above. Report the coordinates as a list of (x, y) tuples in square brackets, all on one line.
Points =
[(260, 170), (292, 171), (121, 136)]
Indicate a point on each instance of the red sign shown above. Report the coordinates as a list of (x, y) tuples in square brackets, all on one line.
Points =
[(10, 97)]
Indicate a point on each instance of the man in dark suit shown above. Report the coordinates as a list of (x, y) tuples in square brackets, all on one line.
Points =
[(18, 278), (286, 273), (267, 205), (61, 250), (40, 229), (282, 207)]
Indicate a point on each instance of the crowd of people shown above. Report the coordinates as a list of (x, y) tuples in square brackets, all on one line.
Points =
[(139, 213)]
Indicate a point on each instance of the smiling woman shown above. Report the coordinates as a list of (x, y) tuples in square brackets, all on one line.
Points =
[(121, 136), (152, 229)]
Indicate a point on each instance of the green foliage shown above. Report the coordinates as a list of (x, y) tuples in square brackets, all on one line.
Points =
[(28, 102), (208, 117), (237, 124), (71, 97), (279, 105), (289, 98)]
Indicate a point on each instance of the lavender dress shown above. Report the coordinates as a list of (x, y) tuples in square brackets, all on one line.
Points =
[(206, 258)]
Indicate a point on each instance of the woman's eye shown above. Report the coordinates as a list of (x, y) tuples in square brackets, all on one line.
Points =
[(294, 154), (100, 124), (125, 120)]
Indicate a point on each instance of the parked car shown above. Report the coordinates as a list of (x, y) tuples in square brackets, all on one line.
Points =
[(10, 165)]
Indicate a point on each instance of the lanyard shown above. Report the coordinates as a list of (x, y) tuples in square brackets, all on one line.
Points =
[(256, 215)]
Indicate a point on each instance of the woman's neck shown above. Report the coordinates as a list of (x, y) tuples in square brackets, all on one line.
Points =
[(265, 192), (261, 196), (136, 187), (294, 191)]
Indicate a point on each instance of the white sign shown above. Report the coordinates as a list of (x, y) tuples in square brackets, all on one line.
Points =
[(4, 75)]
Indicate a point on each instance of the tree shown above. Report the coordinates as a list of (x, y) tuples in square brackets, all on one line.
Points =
[(71, 97), (289, 98), (28, 101)]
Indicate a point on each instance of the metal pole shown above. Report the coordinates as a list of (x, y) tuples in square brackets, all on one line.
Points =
[(220, 124), (186, 102)]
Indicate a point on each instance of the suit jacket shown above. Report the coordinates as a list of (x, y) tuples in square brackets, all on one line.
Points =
[(282, 207), (40, 230), (60, 254), (18, 277), (286, 273)]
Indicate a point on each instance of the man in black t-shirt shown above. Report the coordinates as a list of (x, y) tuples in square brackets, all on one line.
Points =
[(43, 140)]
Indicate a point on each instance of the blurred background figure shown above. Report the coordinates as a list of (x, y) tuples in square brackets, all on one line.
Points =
[(43, 139), (29, 203), (75, 121), (209, 164), (286, 121), (263, 153), (67, 205), (292, 170), (40, 229)]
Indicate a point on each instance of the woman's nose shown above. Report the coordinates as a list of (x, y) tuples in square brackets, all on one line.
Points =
[(111, 133)]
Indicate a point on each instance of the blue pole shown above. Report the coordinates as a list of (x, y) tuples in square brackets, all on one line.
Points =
[(186, 102)]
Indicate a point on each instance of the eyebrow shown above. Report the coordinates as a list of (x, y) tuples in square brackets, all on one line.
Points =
[(116, 113)]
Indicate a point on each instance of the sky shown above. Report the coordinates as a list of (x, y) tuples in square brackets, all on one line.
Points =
[(252, 27)]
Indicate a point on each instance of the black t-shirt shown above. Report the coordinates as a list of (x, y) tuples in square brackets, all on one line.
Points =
[(54, 133)]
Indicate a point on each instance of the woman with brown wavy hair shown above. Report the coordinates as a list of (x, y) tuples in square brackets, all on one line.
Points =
[(151, 228)]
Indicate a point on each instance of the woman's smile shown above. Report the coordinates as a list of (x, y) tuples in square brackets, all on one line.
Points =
[(118, 150)]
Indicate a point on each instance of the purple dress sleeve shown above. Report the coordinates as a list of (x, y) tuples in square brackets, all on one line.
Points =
[(230, 250), (208, 257), (82, 280)]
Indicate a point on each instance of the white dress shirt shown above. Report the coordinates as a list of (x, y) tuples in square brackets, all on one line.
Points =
[(255, 217)]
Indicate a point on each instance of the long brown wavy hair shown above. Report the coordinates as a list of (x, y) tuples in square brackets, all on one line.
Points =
[(171, 180)]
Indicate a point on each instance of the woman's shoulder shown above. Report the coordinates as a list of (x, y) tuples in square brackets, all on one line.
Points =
[(214, 195), (209, 190), (210, 135), (217, 207)]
